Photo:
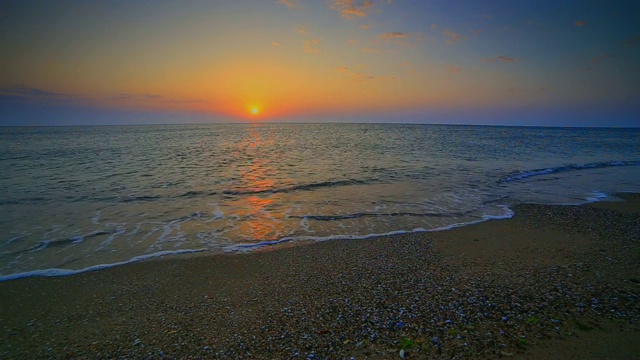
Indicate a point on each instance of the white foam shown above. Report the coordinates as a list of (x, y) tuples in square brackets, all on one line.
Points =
[(96, 218), (77, 239), (66, 272), (596, 196), (508, 213)]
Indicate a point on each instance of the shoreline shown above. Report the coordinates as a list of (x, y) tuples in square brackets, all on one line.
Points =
[(498, 288), (275, 245)]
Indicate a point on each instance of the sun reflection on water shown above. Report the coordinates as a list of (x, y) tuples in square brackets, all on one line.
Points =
[(262, 221)]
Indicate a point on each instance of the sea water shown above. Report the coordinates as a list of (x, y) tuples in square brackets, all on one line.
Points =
[(78, 198)]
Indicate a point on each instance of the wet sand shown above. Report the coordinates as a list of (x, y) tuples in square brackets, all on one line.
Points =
[(553, 282)]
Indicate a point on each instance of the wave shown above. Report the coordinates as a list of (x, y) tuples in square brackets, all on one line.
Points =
[(238, 248), (300, 187), (67, 272), (140, 198), (190, 194), (507, 214), (554, 170), (30, 201), (368, 214)]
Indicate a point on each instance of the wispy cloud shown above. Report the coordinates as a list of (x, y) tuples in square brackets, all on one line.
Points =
[(303, 29), (20, 92), (601, 58), (128, 97), (632, 40), (501, 58), (351, 9), (26, 93), (371, 50), (184, 101), (394, 36), (579, 23), (453, 37), (357, 76), (291, 4), (365, 27), (453, 69), (311, 46), (136, 97), (523, 90), (276, 43)]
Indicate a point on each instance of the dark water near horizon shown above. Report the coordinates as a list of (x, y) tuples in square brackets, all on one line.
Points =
[(77, 197)]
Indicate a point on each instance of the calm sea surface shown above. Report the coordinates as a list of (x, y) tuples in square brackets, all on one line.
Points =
[(78, 197)]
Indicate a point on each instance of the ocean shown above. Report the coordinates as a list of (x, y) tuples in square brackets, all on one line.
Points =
[(82, 198)]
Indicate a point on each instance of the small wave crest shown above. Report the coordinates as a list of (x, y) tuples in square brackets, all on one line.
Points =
[(300, 187), (522, 175)]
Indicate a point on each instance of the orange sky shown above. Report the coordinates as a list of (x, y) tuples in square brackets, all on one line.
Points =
[(339, 58)]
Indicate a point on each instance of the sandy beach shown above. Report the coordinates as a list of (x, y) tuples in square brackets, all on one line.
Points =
[(553, 282)]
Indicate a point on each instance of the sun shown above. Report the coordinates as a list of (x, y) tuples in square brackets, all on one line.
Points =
[(255, 111)]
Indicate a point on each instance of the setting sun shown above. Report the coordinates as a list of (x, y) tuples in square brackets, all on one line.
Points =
[(255, 110)]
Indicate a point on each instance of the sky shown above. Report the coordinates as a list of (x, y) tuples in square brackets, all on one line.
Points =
[(496, 62)]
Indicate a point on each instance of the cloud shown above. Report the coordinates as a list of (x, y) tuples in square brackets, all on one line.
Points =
[(454, 69), (291, 4), (434, 26), (18, 90), (276, 43), (501, 58), (25, 93), (357, 76), (153, 98), (310, 46), (598, 59), (522, 90), (579, 23), (136, 97), (453, 37), (365, 27), (632, 40), (371, 50), (477, 32), (303, 29), (185, 101), (393, 36), (351, 9)]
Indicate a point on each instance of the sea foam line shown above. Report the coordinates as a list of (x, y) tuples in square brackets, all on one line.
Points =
[(508, 213), (66, 272), (554, 170)]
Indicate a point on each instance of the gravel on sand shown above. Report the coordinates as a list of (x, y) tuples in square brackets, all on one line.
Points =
[(552, 282)]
